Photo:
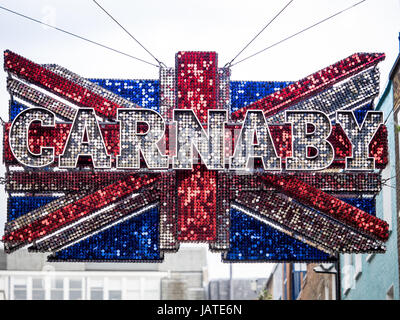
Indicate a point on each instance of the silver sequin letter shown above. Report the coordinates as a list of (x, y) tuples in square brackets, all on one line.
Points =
[(190, 133), (133, 142), (255, 125), (85, 122), (310, 130), (19, 137), (360, 137)]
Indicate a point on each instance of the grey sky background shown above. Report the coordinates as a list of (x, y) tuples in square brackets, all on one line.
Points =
[(224, 26)]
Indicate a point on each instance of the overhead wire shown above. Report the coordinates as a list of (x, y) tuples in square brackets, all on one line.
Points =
[(299, 32), (388, 116), (254, 38), (127, 32), (78, 36)]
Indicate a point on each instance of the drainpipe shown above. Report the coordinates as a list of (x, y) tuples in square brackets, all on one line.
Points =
[(230, 282), (338, 278)]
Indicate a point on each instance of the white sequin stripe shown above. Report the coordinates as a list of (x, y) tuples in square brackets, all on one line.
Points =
[(167, 92), (348, 94), (224, 94), (35, 97), (41, 212), (104, 93)]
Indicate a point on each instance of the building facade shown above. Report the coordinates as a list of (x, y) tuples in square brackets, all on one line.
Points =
[(242, 289), (319, 285), (286, 281), (376, 276), (28, 276), (395, 78)]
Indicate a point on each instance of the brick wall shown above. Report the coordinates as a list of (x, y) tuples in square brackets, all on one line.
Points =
[(317, 286)]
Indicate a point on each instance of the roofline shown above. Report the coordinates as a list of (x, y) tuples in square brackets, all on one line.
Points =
[(396, 63), (384, 94), (389, 82)]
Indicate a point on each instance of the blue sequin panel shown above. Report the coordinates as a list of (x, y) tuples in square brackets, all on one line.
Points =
[(15, 109), (361, 112), (250, 239), (245, 92), (134, 239), (145, 93), (365, 204), (18, 206)]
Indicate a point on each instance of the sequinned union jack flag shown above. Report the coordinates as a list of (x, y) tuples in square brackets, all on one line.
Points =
[(126, 170)]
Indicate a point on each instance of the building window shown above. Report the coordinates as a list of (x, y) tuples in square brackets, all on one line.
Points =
[(285, 296), (75, 289), (348, 273), (115, 295), (369, 257), (333, 286), (57, 289), (114, 289), (152, 289), (358, 265), (301, 267), (20, 289), (390, 293), (96, 289), (38, 290), (298, 270), (326, 291), (133, 289)]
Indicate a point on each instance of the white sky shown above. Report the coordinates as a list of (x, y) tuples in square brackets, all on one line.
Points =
[(224, 26)]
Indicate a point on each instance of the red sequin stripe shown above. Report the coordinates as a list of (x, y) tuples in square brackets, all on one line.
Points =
[(79, 209), (311, 85), (70, 181), (196, 204), (325, 203), (336, 182), (197, 89), (58, 85), (197, 82)]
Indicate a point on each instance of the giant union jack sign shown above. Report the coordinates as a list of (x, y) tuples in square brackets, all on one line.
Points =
[(126, 170)]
